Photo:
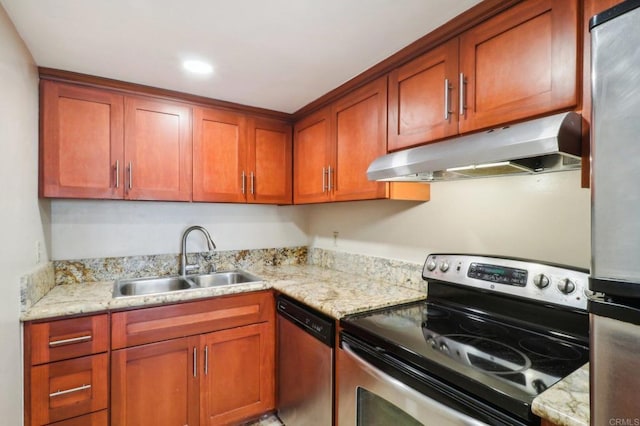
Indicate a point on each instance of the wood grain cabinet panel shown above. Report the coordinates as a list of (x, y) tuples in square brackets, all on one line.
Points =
[(155, 384), (360, 132), (141, 326), (219, 156), (240, 159), (334, 147), (519, 64), (66, 389), (69, 338), (269, 162), (158, 150), (100, 418), (81, 142), (423, 98), (239, 377), (221, 372), (312, 147)]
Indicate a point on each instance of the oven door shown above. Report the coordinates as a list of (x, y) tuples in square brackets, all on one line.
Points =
[(373, 388)]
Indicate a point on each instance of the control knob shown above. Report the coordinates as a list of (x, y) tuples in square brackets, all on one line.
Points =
[(541, 281), (566, 286), (444, 266), (431, 264)]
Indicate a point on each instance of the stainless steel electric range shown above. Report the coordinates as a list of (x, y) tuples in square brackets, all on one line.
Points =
[(493, 334)]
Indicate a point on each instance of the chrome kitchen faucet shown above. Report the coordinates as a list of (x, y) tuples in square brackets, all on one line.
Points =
[(184, 267)]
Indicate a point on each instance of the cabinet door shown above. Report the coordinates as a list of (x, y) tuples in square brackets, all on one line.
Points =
[(157, 150), (81, 142), (519, 64), (423, 98), (238, 377), (155, 384), (312, 146), (269, 162), (361, 124), (219, 155)]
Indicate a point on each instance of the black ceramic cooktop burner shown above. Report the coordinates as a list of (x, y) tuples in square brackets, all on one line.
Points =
[(550, 348), (482, 328)]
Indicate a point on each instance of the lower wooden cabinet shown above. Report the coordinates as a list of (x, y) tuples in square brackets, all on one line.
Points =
[(100, 418), (238, 377), (155, 384), (212, 378)]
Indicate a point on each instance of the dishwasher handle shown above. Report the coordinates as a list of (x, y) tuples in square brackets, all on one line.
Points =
[(316, 324)]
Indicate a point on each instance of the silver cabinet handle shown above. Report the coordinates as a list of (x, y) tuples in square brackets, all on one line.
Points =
[(463, 83), (206, 360), (253, 183), (130, 175), (324, 179), (62, 342), (329, 180), (64, 392), (195, 362), (447, 99), (117, 173), (244, 182)]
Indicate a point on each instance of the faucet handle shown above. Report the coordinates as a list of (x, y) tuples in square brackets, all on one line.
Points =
[(191, 267)]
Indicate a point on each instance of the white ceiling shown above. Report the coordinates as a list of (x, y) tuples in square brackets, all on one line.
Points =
[(276, 54)]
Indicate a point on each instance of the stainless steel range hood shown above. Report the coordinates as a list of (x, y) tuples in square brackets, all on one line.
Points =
[(542, 145)]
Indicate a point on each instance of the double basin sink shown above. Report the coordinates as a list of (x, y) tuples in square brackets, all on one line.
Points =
[(144, 286)]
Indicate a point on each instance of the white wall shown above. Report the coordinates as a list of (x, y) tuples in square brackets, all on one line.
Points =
[(22, 226), (88, 229), (544, 217)]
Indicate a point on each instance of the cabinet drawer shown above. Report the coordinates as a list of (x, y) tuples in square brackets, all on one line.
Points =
[(149, 325), (70, 338), (65, 389), (101, 418)]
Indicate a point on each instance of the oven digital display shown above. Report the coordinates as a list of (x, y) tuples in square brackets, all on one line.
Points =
[(498, 274)]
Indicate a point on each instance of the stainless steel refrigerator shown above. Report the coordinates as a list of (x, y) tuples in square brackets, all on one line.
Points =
[(615, 198)]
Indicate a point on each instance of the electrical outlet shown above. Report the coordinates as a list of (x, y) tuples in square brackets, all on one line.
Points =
[(335, 238)]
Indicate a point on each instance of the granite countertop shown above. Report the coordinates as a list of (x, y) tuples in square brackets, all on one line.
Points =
[(567, 402), (332, 292)]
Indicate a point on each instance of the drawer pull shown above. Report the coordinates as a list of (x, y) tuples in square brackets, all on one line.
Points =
[(80, 339), (64, 392)]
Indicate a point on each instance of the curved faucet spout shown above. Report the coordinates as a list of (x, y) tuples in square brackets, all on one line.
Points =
[(184, 267)]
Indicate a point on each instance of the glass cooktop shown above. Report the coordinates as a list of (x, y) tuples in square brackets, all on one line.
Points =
[(491, 358)]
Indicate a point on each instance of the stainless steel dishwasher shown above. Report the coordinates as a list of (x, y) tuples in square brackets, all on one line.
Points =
[(306, 340)]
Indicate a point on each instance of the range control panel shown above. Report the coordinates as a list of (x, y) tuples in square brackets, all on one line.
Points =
[(557, 284)]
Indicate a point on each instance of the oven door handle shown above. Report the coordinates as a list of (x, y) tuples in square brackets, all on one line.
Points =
[(403, 389)]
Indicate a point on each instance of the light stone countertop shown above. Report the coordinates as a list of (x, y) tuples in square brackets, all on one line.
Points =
[(567, 402), (332, 292)]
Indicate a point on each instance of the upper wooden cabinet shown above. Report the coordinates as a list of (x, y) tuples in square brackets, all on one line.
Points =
[(312, 145), (360, 125), (334, 147), (521, 63), (98, 144), (240, 159), (269, 161), (81, 142), (219, 155), (157, 150), (423, 98)]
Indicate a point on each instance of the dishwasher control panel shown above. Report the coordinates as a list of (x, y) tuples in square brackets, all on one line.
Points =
[(313, 322)]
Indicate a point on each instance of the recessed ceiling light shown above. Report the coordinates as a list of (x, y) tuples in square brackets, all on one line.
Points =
[(198, 67)]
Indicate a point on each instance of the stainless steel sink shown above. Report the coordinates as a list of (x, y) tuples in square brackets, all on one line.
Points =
[(223, 278), (142, 286)]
